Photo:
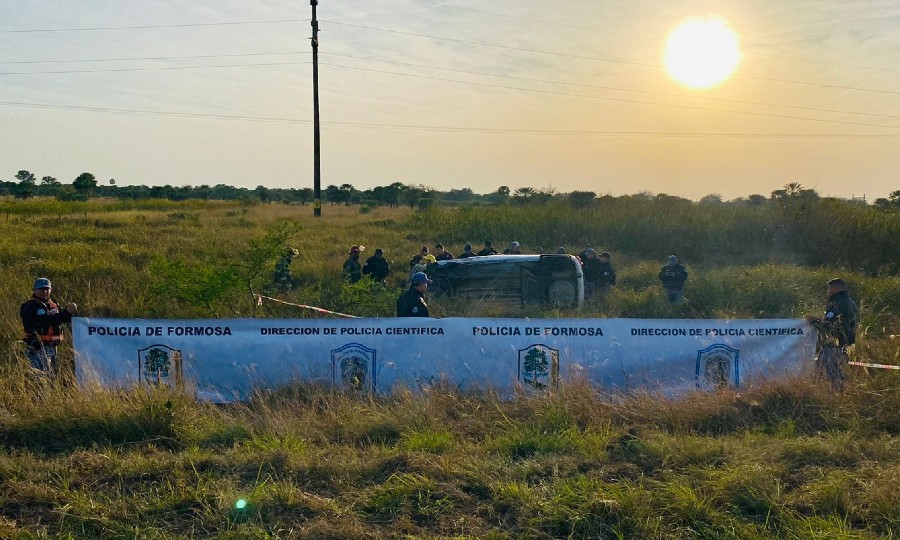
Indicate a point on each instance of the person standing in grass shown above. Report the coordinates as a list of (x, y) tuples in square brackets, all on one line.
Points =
[(442, 254), (837, 331), (606, 274), (41, 320), (422, 265), (583, 255), (487, 250), (283, 279), (591, 268), (467, 252), (412, 302), (418, 257), (352, 268), (377, 266), (673, 275)]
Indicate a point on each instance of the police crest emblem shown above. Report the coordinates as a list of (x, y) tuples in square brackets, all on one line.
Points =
[(353, 367), (160, 365), (539, 366), (718, 367)]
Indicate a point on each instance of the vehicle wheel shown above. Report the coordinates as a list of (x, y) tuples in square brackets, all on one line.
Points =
[(562, 293)]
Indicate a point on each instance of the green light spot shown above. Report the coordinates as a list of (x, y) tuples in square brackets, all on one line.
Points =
[(241, 504)]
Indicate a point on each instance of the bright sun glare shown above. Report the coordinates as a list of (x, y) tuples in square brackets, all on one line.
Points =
[(702, 53)]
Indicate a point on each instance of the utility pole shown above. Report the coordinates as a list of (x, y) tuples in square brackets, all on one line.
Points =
[(317, 161)]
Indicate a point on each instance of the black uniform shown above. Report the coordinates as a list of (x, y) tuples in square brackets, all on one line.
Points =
[(673, 276), (487, 251), (591, 269), (412, 304), (840, 318), (352, 268), (377, 267), (838, 324), (445, 256), (606, 274), (41, 322), (467, 254)]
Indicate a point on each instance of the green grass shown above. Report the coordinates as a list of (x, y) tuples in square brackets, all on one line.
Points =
[(789, 459), (573, 465)]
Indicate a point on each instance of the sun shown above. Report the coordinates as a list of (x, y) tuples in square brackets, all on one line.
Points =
[(702, 52)]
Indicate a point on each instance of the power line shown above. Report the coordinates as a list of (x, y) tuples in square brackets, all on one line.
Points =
[(394, 62), (611, 32), (136, 59), (621, 100), (600, 59), (613, 88), (158, 68), (149, 26), (487, 85), (457, 129)]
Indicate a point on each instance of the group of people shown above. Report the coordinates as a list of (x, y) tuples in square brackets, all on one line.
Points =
[(599, 273)]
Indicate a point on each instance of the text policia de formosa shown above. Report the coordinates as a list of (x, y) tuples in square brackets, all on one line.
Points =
[(184, 330)]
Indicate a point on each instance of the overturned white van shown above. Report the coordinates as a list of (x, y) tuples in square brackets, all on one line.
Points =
[(552, 279)]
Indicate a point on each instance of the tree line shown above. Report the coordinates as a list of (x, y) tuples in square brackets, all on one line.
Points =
[(86, 186)]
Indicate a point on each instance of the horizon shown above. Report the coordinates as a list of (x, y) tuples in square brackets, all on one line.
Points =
[(450, 95)]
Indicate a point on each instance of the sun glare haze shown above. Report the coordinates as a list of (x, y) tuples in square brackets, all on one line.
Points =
[(678, 97), (702, 53)]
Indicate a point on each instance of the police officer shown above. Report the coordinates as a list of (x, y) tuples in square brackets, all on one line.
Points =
[(283, 279), (442, 254), (606, 274), (837, 331), (591, 268), (467, 252), (352, 268), (41, 320), (673, 275), (377, 266), (412, 302), (487, 250)]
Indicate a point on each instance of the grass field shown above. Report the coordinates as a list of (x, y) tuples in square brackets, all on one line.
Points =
[(787, 460)]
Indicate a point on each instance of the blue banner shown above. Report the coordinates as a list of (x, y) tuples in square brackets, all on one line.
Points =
[(225, 359)]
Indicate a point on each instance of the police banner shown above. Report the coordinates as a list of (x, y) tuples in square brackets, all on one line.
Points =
[(226, 359)]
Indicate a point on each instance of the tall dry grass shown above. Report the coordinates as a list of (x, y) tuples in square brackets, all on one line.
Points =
[(788, 459)]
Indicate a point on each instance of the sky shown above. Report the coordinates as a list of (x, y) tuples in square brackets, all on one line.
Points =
[(569, 95)]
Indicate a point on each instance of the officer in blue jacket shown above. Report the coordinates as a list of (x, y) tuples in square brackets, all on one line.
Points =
[(412, 302)]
